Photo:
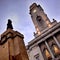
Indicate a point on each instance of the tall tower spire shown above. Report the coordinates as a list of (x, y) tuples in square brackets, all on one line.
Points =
[(39, 18)]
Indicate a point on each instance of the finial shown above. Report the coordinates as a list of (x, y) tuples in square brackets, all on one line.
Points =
[(9, 24), (54, 20)]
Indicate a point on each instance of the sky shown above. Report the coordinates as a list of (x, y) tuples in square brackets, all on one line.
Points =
[(18, 12)]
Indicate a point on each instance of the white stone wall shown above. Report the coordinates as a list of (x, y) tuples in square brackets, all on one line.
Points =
[(33, 52)]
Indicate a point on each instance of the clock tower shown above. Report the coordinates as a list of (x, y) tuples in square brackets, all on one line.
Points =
[(39, 18), (46, 43)]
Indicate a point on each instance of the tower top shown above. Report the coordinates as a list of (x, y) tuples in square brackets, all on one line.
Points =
[(9, 24), (34, 5), (39, 18)]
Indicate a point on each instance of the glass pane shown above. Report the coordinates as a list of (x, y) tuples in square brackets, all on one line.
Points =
[(56, 50)]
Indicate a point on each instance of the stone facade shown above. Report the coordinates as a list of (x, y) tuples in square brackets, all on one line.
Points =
[(12, 46), (46, 44)]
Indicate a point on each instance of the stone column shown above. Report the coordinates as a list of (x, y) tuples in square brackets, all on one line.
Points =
[(56, 41), (49, 49), (41, 56)]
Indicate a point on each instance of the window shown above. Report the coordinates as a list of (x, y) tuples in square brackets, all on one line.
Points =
[(41, 23), (47, 54), (56, 50), (37, 57), (39, 18)]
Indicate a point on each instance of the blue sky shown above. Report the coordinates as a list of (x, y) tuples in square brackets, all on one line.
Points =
[(18, 12)]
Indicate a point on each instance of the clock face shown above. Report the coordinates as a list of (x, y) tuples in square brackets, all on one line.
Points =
[(34, 10)]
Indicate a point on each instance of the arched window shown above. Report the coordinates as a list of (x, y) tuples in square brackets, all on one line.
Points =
[(39, 18), (47, 54), (41, 23), (56, 49)]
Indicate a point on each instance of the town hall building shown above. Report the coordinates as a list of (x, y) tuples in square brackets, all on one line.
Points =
[(46, 44)]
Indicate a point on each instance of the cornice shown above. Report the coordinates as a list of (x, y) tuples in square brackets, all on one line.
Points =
[(12, 36), (52, 29)]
